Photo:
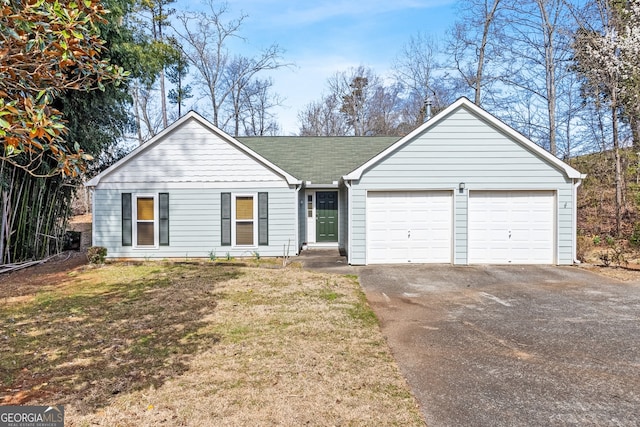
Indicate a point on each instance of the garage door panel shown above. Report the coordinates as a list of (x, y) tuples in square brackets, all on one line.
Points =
[(409, 226), (511, 227)]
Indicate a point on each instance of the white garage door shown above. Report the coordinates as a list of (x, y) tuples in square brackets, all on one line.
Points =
[(511, 227), (409, 226)]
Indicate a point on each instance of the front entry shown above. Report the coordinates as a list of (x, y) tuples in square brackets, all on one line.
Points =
[(326, 216)]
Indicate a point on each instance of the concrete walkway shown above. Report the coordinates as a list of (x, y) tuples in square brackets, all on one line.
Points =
[(326, 261)]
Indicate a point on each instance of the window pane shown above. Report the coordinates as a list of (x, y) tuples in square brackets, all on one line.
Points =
[(145, 234), (244, 207), (145, 209), (244, 233)]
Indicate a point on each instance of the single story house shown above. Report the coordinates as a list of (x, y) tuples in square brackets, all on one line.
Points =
[(463, 188)]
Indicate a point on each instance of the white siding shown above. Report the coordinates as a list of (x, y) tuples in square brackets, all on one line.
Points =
[(191, 153), (463, 148), (194, 223)]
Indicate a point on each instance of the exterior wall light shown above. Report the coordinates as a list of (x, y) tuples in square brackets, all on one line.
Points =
[(461, 186)]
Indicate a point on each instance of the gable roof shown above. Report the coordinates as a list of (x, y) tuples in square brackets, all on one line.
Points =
[(318, 160), (482, 115), (192, 115)]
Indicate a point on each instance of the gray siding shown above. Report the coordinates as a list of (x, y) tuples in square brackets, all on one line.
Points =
[(463, 148), (194, 225)]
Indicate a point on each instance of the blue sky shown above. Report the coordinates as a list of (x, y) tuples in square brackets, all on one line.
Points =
[(324, 36)]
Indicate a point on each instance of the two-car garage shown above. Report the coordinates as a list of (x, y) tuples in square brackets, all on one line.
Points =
[(464, 188), (502, 227)]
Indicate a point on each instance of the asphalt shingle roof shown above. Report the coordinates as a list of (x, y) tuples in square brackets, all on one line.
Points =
[(321, 160)]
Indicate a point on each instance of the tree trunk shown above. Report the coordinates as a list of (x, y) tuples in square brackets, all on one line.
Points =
[(163, 96), (618, 174), (482, 51), (549, 64), (634, 122), (136, 109)]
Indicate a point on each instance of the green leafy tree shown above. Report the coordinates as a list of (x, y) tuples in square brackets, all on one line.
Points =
[(47, 49), (80, 114)]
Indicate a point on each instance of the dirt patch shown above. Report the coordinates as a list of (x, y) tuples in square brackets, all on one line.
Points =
[(628, 273), (38, 277)]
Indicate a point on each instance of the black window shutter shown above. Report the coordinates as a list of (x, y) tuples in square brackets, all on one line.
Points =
[(164, 219), (263, 218), (225, 218), (127, 223)]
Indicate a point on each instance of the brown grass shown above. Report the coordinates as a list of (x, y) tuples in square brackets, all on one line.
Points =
[(197, 344)]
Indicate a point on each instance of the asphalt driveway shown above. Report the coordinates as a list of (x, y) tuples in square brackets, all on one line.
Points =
[(512, 346)]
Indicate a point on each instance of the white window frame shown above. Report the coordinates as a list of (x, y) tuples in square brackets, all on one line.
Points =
[(156, 220), (234, 197)]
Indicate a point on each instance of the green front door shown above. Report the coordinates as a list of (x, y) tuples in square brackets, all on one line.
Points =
[(326, 216)]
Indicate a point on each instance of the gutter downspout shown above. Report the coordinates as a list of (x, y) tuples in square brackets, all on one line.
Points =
[(349, 207), (93, 205), (298, 187), (576, 184)]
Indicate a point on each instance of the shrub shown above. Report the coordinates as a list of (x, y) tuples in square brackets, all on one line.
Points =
[(97, 254), (634, 239), (584, 246), (614, 255)]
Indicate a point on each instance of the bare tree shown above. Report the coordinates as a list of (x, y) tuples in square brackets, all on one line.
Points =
[(220, 76), (369, 107), (145, 104), (386, 110), (257, 101), (473, 40), (355, 87), (323, 118), (239, 75), (358, 104), (203, 38), (422, 79), (537, 48)]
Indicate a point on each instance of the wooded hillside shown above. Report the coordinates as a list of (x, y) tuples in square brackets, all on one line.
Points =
[(596, 205)]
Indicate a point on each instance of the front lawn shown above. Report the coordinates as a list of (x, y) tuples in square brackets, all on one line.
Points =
[(201, 344)]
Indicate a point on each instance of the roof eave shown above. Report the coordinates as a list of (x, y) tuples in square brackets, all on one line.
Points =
[(291, 180), (464, 102)]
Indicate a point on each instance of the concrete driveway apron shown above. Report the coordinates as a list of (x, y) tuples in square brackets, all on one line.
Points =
[(512, 345)]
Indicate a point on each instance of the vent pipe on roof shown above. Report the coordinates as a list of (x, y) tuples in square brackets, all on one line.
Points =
[(427, 104)]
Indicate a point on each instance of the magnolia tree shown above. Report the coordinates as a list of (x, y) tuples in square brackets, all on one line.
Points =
[(47, 48)]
